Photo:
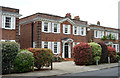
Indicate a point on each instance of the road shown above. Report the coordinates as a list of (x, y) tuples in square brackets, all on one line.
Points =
[(103, 72)]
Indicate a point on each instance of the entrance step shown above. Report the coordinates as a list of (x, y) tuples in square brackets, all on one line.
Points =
[(68, 59)]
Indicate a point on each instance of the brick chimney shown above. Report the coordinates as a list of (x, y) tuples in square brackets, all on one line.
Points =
[(98, 23), (68, 15), (77, 18)]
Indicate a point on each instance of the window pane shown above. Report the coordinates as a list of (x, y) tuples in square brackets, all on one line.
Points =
[(45, 26), (55, 47), (8, 22), (45, 44), (55, 27)]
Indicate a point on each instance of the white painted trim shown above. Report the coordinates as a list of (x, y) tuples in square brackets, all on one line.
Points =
[(8, 40), (67, 19)]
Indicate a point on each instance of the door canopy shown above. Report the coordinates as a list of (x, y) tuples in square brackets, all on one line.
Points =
[(67, 40)]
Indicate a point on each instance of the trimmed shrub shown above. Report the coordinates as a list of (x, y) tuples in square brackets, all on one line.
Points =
[(9, 52), (96, 51), (112, 54), (118, 53), (104, 53), (43, 57), (82, 54), (23, 61), (117, 58), (56, 58)]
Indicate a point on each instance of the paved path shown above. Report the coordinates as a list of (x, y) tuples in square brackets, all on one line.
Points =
[(65, 68)]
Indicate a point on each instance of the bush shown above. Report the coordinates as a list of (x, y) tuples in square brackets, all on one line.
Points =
[(82, 54), (9, 52), (117, 58), (96, 51), (112, 54), (23, 61), (42, 57), (118, 53), (57, 58), (104, 54)]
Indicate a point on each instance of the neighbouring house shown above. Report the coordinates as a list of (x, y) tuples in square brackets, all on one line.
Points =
[(61, 34), (9, 24), (96, 32)]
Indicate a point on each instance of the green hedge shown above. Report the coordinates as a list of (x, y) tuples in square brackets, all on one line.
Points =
[(24, 61), (96, 51), (9, 52)]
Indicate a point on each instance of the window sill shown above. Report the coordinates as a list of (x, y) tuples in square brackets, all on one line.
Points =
[(8, 28)]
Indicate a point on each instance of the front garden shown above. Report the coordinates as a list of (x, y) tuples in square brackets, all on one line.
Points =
[(94, 53), (15, 60)]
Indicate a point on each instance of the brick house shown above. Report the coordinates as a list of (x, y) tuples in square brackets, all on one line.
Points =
[(57, 33), (9, 25), (60, 34), (97, 32)]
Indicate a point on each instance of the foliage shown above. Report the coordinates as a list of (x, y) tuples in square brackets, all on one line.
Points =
[(117, 58), (118, 53), (57, 58), (96, 58), (104, 54), (42, 56), (96, 50), (23, 61), (109, 37), (82, 54), (112, 54), (9, 52)]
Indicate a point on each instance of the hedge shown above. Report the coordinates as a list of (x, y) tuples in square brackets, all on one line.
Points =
[(9, 52), (104, 53), (82, 54), (96, 51)]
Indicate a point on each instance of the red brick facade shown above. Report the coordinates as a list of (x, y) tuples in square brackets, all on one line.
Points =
[(39, 36), (10, 34)]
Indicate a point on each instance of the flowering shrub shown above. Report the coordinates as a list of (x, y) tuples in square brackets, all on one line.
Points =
[(57, 58), (9, 52), (82, 54), (23, 61), (42, 56), (112, 54), (104, 54), (96, 51)]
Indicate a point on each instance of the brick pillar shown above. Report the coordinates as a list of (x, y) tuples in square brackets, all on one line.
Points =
[(39, 34), (17, 30)]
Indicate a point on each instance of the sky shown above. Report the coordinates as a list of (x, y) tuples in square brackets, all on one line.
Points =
[(105, 11)]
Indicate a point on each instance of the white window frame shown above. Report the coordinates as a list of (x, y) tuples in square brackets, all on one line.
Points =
[(49, 26), (12, 24), (82, 29), (58, 27), (98, 34), (55, 45), (68, 29)]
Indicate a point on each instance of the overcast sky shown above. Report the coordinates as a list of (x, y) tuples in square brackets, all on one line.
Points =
[(105, 11)]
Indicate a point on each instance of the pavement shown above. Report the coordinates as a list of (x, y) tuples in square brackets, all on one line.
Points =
[(65, 67)]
